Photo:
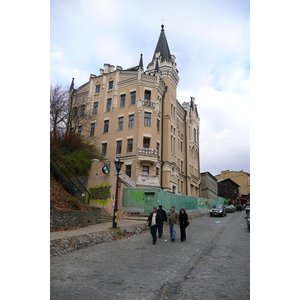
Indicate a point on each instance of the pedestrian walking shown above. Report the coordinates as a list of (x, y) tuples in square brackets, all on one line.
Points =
[(183, 223), (173, 220), (153, 220), (163, 216)]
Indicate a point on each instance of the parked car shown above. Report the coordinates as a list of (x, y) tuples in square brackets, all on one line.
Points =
[(248, 220), (247, 209), (218, 210), (229, 209), (233, 207), (239, 207)]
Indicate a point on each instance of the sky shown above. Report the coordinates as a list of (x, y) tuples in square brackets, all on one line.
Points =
[(211, 43)]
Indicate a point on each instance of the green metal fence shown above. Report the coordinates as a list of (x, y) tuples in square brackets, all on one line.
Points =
[(143, 200)]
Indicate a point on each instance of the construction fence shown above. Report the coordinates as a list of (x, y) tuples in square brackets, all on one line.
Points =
[(143, 200)]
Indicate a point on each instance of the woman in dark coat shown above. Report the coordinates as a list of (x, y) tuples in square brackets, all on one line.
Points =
[(183, 219)]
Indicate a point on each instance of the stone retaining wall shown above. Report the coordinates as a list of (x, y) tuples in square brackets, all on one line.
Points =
[(60, 220), (66, 245)]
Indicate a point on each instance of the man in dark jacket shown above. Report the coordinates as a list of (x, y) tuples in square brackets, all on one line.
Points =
[(153, 220), (163, 216)]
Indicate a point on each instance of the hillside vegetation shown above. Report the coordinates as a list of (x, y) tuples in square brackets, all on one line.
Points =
[(76, 154), (60, 199)]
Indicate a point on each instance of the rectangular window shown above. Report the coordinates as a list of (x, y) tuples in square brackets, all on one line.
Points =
[(147, 95), (129, 145), (97, 91), (106, 124), (132, 98), (79, 130), (122, 102), (181, 187), (195, 139), (146, 142), (92, 129), (119, 147), (157, 171), (82, 109), (131, 121), (74, 113), (157, 148), (174, 144), (145, 170), (120, 124), (110, 85), (128, 170), (108, 104), (104, 148), (181, 167), (95, 109), (158, 125), (147, 121)]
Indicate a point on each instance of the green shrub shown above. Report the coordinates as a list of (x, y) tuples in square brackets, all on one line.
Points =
[(76, 152)]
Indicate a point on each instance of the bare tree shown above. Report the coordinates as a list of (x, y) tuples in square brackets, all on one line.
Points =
[(58, 108)]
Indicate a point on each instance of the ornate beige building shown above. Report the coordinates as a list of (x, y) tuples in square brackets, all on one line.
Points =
[(133, 115)]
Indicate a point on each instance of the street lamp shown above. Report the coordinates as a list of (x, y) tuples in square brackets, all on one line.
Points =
[(118, 165)]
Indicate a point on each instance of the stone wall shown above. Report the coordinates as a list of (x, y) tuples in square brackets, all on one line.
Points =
[(60, 220), (66, 245)]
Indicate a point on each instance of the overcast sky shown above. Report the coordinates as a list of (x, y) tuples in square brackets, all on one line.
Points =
[(211, 43)]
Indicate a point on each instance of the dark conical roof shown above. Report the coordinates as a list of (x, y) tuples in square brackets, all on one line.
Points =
[(162, 45), (72, 84), (141, 65)]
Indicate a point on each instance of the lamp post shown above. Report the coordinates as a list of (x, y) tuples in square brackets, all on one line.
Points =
[(118, 165)]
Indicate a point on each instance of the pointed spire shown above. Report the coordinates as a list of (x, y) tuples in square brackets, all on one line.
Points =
[(162, 45), (72, 84), (141, 65)]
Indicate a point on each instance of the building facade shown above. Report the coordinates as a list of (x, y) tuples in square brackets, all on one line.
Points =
[(209, 186), (229, 190), (242, 179), (133, 115)]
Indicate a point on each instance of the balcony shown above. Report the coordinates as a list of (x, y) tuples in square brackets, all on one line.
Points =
[(146, 180), (147, 102), (147, 154)]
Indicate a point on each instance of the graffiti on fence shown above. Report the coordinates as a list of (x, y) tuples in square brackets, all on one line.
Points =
[(138, 195)]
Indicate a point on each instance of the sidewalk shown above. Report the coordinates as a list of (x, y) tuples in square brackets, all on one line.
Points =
[(62, 242), (96, 228)]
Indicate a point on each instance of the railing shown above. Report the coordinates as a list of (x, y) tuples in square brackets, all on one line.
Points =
[(71, 185), (148, 151), (147, 102)]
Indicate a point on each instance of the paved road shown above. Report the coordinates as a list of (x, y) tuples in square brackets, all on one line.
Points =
[(213, 263)]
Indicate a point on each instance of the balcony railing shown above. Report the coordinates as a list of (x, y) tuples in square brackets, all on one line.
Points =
[(147, 102), (148, 151)]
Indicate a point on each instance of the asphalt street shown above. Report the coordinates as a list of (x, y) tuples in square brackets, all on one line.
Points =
[(213, 263)]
